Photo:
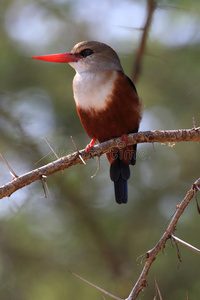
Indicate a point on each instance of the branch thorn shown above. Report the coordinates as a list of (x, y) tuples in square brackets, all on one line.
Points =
[(54, 152), (79, 154), (95, 286), (45, 185), (194, 122), (158, 290), (14, 175), (196, 250)]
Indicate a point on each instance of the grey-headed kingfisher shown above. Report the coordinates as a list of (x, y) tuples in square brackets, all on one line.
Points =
[(107, 104)]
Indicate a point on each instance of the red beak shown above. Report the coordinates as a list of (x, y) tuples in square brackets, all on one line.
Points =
[(58, 58)]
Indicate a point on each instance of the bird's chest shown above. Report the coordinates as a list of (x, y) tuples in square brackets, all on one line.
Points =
[(92, 90)]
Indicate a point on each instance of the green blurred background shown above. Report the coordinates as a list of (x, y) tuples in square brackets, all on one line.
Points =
[(82, 229)]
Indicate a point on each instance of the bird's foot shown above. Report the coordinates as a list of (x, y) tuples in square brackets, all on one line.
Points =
[(90, 145), (124, 139)]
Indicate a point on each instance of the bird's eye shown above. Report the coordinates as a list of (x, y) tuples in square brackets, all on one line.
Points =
[(86, 52)]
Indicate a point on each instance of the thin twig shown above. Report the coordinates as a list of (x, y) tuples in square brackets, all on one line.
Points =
[(98, 167), (196, 188), (178, 253), (141, 49)]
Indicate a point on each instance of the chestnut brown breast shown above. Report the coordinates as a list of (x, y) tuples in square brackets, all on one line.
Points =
[(121, 115)]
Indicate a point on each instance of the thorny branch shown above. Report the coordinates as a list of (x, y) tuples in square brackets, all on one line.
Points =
[(151, 254), (65, 162), (172, 136)]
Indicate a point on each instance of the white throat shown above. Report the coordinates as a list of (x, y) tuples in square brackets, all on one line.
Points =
[(92, 90)]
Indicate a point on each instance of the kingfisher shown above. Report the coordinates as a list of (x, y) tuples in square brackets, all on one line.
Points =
[(107, 104)]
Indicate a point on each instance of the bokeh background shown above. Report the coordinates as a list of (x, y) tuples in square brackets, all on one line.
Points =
[(82, 229)]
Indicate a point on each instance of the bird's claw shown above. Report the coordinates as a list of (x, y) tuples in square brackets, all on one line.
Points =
[(124, 138), (90, 145)]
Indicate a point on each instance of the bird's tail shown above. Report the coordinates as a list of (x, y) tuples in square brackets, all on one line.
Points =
[(120, 173)]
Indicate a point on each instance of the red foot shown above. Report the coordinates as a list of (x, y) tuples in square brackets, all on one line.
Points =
[(90, 145), (124, 138)]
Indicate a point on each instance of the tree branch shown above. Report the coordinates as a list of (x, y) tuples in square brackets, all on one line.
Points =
[(151, 6), (192, 135), (151, 254)]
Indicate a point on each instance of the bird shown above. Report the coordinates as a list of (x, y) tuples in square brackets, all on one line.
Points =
[(107, 104)]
